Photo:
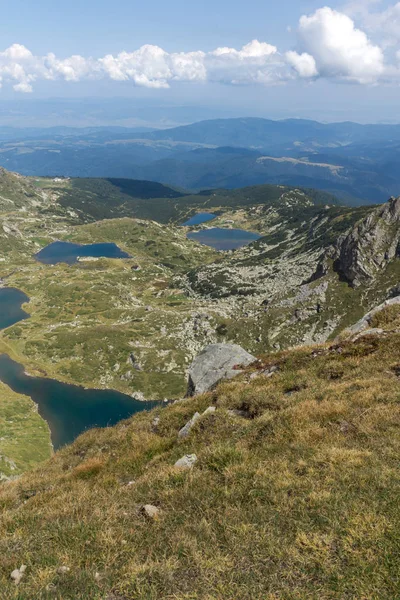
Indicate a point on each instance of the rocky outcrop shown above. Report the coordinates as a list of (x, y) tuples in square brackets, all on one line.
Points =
[(214, 363), (370, 244), (365, 322)]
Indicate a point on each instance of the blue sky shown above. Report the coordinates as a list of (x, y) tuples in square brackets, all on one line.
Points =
[(288, 58), (100, 26)]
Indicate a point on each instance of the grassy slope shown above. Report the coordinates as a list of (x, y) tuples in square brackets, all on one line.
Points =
[(24, 436), (300, 500), (111, 198)]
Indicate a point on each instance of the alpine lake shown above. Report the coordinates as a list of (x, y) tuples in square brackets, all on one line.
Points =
[(68, 409)]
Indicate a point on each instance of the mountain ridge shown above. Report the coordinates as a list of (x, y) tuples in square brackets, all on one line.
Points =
[(189, 156)]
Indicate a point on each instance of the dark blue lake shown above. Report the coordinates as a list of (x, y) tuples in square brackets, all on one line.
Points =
[(68, 409), (11, 312), (224, 239), (198, 219), (67, 252)]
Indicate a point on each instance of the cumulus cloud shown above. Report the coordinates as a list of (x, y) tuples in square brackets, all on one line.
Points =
[(339, 49), (149, 66), (328, 44), (304, 64)]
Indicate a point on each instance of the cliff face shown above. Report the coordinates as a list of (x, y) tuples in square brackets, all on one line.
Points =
[(369, 245)]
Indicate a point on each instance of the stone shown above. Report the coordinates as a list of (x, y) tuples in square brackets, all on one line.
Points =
[(238, 413), (155, 423), (152, 512), (364, 323), (63, 570), (186, 462), (209, 410), (372, 331), (215, 363), (184, 432), (134, 362), (18, 574)]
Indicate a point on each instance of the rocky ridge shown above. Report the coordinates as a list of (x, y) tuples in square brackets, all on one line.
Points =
[(369, 246), (292, 285)]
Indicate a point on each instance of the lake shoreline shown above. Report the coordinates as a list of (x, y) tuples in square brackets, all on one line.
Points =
[(81, 407)]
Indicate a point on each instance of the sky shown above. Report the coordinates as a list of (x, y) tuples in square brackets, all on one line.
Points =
[(332, 61)]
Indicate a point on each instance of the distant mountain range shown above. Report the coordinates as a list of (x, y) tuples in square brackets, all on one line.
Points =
[(357, 163)]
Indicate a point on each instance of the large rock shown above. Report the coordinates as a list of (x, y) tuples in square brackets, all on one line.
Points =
[(365, 322), (370, 245), (367, 248), (214, 363)]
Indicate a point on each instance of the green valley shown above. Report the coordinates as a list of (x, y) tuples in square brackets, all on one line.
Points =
[(136, 324)]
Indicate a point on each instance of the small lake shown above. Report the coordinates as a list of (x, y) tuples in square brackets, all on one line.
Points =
[(198, 219), (224, 239), (67, 252), (11, 312), (69, 409)]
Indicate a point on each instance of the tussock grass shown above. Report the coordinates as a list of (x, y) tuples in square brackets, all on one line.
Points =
[(298, 500), (389, 317)]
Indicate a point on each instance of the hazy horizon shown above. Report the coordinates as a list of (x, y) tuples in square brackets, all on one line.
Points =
[(153, 113)]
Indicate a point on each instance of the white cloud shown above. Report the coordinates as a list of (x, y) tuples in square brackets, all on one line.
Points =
[(73, 68), (340, 50), (304, 64), (252, 50), (329, 45), (17, 65), (256, 62), (149, 66)]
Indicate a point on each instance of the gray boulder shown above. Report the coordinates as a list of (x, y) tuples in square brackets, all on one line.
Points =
[(214, 363), (184, 432), (186, 462), (365, 322)]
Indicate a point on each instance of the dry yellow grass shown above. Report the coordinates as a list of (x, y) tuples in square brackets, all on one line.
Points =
[(298, 499)]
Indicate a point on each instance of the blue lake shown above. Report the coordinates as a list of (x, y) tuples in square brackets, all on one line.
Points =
[(198, 219), (68, 409), (67, 252), (11, 312), (224, 239)]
